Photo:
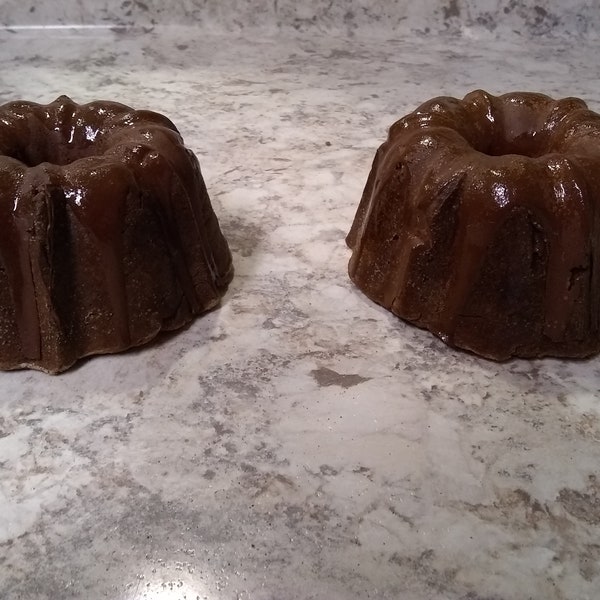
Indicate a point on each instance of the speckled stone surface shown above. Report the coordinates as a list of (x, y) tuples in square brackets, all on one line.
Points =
[(473, 17), (298, 442)]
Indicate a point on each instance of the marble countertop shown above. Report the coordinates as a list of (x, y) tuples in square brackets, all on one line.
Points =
[(298, 442)]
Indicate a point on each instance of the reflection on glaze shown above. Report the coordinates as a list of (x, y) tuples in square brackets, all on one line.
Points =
[(75, 196), (91, 133), (501, 194)]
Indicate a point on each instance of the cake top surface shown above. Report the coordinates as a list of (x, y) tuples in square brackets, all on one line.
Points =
[(63, 131), (528, 124)]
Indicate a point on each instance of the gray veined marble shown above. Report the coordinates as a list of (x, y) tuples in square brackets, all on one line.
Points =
[(473, 17), (299, 442)]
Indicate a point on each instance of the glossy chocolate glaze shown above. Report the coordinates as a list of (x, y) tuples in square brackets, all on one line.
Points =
[(480, 221), (109, 235)]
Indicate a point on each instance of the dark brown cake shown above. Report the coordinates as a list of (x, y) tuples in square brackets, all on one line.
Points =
[(108, 232), (480, 221)]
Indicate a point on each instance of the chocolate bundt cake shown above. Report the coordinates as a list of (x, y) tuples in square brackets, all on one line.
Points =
[(480, 221), (108, 232)]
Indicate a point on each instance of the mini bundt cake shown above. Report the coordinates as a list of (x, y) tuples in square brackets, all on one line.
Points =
[(480, 221), (109, 234)]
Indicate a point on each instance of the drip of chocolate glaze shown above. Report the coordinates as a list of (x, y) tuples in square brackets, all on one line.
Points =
[(99, 205), (569, 223), (18, 263), (185, 174), (153, 171)]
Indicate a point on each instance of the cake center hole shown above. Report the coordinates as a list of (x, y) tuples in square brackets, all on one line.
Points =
[(53, 147), (529, 144)]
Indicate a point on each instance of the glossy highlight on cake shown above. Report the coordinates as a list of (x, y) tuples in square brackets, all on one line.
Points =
[(480, 221), (108, 232)]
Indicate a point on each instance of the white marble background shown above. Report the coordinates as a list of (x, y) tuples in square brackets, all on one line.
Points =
[(298, 442), (471, 17)]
